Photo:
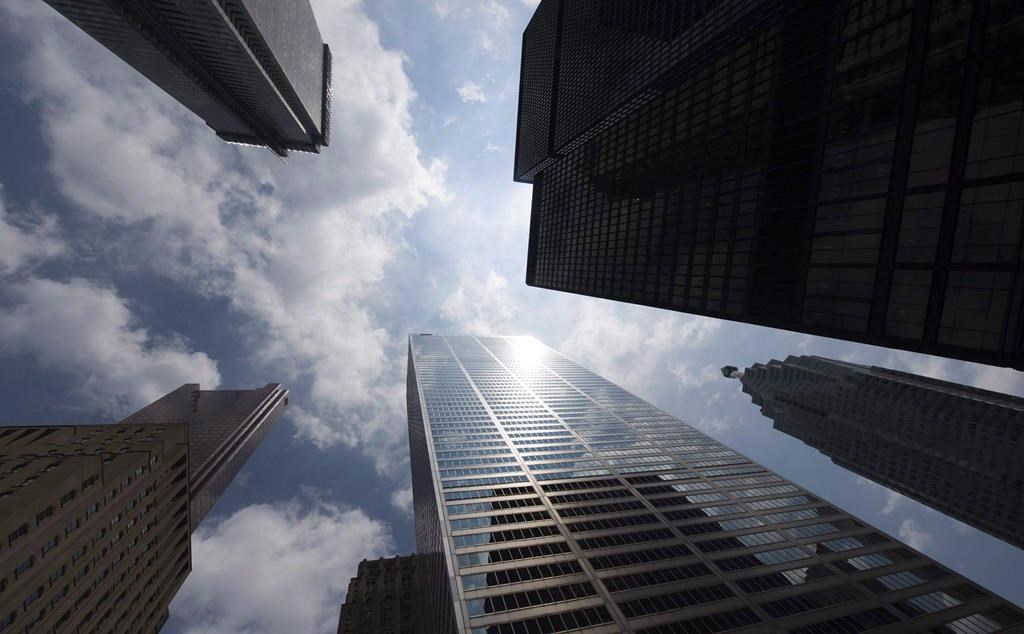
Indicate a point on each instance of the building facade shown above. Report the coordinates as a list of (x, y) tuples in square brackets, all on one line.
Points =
[(851, 169), (94, 525), (98, 518), (225, 428), (256, 71), (548, 499), (381, 598), (955, 448)]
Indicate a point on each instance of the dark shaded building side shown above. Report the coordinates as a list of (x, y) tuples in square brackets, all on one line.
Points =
[(849, 169), (256, 71), (956, 448), (434, 573), (225, 428), (381, 598)]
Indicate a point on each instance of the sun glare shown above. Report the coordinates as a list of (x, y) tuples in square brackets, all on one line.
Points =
[(528, 351)]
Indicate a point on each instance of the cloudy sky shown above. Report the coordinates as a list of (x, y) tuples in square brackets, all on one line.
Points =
[(138, 252)]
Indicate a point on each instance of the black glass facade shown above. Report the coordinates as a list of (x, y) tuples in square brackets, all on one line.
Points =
[(256, 71), (550, 500), (849, 169)]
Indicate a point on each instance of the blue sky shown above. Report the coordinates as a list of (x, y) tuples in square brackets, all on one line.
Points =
[(138, 252)]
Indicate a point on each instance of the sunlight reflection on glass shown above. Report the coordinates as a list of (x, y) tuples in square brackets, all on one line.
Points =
[(528, 351)]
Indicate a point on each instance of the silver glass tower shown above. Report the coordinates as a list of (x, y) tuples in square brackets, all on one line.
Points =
[(548, 499)]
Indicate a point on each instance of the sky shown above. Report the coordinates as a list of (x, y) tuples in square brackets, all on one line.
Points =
[(139, 252)]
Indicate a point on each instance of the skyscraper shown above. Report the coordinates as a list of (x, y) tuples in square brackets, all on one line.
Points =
[(98, 517), (955, 448), (225, 428), (94, 522), (851, 169), (548, 499), (381, 597), (256, 71)]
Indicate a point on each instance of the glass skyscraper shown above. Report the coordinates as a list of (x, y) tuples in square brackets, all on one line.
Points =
[(953, 447), (850, 168), (256, 71), (548, 499)]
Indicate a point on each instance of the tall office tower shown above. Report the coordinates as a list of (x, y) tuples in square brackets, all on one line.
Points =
[(851, 169), (94, 522), (256, 71), (225, 428), (955, 448), (381, 598), (548, 499)]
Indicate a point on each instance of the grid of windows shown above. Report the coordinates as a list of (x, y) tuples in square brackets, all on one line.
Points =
[(665, 527), (842, 169), (886, 426)]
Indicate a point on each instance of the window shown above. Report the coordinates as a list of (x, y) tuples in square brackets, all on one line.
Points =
[(43, 514), (32, 596), (17, 533), (810, 601), (24, 566), (655, 577), (517, 575), (529, 598), (58, 573), (88, 482), (50, 545), (639, 556), (713, 623), (675, 600), (859, 622), (563, 622)]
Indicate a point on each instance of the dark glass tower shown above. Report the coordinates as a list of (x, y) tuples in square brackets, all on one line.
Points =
[(955, 448), (550, 500), (256, 71), (851, 169), (225, 428), (381, 597)]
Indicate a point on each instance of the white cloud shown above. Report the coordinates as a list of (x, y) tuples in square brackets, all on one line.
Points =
[(914, 536), (495, 14), (85, 330), (717, 425), (481, 306), (632, 345), (271, 568), (26, 239), (471, 92), (690, 377), (401, 499), (892, 501), (442, 8), (297, 250), (1005, 380), (491, 147)]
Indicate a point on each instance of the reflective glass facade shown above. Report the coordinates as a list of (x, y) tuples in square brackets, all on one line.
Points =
[(953, 447), (256, 71), (548, 499), (852, 169)]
